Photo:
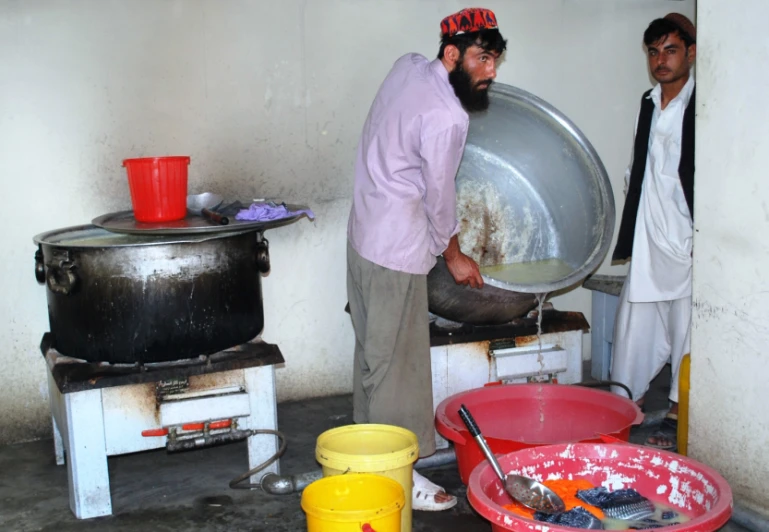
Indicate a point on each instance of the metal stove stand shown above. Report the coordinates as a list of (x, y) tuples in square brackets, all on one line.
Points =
[(553, 322), (466, 357), (102, 410)]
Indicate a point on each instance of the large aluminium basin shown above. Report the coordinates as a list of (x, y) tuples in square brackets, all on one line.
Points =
[(530, 188)]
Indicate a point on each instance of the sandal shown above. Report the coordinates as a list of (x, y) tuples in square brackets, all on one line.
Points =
[(667, 431), (423, 496)]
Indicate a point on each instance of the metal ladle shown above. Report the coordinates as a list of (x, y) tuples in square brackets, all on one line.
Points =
[(526, 491)]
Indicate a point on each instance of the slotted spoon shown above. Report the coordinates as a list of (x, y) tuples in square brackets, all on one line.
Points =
[(526, 491)]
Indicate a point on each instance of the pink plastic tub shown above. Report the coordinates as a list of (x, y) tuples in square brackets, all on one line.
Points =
[(681, 483)]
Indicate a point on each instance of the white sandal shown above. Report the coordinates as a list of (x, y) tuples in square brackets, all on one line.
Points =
[(423, 496)]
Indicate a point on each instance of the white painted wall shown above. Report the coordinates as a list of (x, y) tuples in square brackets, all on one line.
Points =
[(729, 420), (268, 98)]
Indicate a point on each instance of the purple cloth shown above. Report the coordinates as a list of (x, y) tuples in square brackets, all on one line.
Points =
[(404, 197), (263, 212)]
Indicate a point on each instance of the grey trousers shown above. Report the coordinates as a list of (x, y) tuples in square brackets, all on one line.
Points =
[(392, 379)]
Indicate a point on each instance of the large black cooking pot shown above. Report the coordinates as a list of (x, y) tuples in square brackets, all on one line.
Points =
[(125, 298)]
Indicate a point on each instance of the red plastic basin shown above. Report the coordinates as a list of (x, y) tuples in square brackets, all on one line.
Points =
[(519, 416), (667, 478)]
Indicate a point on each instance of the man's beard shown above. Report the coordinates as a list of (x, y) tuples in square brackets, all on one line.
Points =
[(472, 98)]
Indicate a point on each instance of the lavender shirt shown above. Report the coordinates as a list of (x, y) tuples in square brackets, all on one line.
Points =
[(404, 199)]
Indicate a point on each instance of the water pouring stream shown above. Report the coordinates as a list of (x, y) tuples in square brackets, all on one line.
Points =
[(541, 301)]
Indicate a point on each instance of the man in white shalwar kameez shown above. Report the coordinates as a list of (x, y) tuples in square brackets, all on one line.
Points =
[(653, 323)]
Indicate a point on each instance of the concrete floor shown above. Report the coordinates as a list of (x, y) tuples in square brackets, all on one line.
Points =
[(189, 491)]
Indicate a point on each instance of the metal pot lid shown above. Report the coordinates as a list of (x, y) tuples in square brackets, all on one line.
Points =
[(532, 192), (125, 223), (91, 236)]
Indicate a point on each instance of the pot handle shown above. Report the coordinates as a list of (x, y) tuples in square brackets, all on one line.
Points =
[(262, 255), (61, 279), (39, 266)]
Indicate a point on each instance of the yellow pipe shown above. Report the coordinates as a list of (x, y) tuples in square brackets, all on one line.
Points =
[(683, 404)]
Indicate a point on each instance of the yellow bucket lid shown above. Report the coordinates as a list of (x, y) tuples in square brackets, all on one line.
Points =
[(367, 448), (353, 498)]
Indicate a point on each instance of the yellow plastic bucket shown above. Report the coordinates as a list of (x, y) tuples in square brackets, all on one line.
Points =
[(380, 449), (353, 503)]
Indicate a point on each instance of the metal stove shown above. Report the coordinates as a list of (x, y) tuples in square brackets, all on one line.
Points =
[(102, 410), (465, 357)]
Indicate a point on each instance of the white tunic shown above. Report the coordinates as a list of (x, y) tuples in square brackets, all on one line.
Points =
[(661, 264)]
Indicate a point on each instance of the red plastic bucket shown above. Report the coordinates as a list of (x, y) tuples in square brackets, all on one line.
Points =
[(158, 187), (519, 416), (667, 478)]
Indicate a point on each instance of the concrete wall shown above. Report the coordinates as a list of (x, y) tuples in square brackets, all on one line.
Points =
[(268, 98), (729, 420)]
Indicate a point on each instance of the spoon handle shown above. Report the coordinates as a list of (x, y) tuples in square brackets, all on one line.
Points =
[(215, 217), (472, 426)]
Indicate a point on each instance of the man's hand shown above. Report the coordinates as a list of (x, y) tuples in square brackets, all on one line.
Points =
[(465, 271), (462, 268)]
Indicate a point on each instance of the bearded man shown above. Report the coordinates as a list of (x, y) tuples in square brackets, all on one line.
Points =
[(403, 216)]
